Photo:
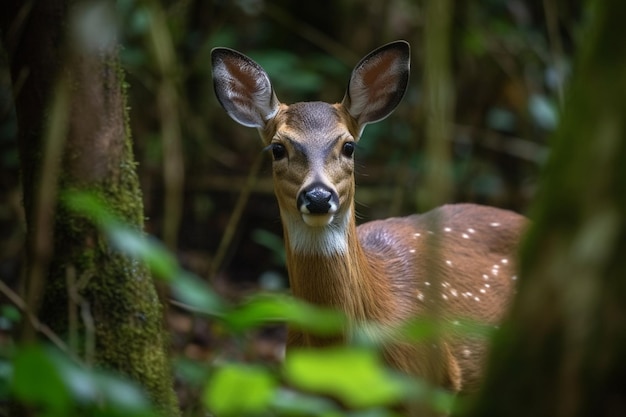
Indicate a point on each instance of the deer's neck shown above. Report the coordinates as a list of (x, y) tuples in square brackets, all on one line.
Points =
[(334, 271)]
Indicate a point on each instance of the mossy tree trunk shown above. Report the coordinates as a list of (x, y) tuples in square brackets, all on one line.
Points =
[(73, 134), (564, 350)]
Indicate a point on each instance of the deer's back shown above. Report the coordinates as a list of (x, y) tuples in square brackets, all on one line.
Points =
[(458, 259)]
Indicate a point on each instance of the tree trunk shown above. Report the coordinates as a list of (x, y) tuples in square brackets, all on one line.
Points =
[(73, 134), (563, 352)]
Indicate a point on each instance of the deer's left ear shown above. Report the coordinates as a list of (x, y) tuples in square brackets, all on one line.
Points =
[(378, 83), (243, 88)]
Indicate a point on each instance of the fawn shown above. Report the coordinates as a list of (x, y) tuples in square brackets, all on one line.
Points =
[(457, 260)]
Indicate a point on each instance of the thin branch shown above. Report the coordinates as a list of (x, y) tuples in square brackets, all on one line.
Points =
[(18, 302), (556, 45), (168, 107), (231, 227), (311, 34), (74, 288), (42, 226)]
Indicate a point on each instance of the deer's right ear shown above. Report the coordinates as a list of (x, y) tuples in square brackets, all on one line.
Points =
[(243, 88), (378, 83)]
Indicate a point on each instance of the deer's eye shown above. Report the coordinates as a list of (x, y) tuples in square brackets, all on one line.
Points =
[(278, 151), (348, 149)]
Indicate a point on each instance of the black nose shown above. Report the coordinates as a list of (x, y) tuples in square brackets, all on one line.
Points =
[(317, 199)]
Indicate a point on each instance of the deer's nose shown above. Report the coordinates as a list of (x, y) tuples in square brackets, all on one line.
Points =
[(317, 199)]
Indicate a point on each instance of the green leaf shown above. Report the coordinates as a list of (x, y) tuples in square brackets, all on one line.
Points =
[(136, 244), (425, 330), (88, 204), (271, 242), (237, 389), (196, 294), (38, 381), (289, 402), (10, 312), (268, 308), (356, 376), (543, 111), (121, 395), (192, 372), (126, 239), (6, 372)]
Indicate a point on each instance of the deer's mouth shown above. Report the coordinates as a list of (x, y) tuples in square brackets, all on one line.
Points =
[(318, 220)]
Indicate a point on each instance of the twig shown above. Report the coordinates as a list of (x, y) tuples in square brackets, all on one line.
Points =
[(311, 34), (74, 288), (168, 107), (18, 302), (556, 45), (231, 227), (42, 211)]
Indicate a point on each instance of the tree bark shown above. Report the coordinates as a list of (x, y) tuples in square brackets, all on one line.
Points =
[(74, 134), (563, 351)]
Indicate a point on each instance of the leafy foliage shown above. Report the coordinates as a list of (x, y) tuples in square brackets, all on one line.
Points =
[(47, 379)]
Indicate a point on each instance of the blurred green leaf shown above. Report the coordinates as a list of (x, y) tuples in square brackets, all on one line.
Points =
[(499, 118), (271, 242), (289, 402), (543, 111), (236, 389), (188, 288), (89, 205), (120, 394), (356, 376), (38, 381), (6, 373), (266, 308), (138, 245), (46, 378), (421, 329), (474, 42), (196, 294), (126, 239), (9, 316), (190, 371)]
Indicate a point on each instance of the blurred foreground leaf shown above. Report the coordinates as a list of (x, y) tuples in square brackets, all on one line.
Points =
[(188, 288), (356, 376), (237, 390), (289, 402), (38, 381), (45, 378), (268, 308)]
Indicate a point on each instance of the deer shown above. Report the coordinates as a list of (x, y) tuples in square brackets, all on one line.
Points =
[(456, 259)]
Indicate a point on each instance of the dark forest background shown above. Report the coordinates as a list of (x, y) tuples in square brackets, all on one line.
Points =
[(510, 61)]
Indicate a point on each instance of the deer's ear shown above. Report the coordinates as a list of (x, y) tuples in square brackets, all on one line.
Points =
[(243, 88), (378, 83)]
